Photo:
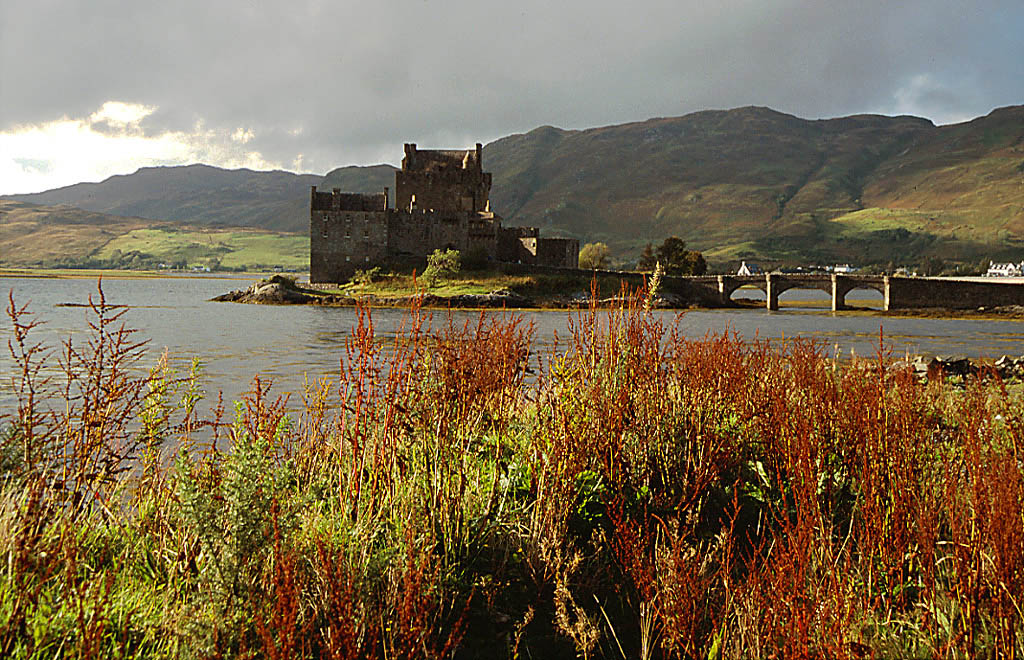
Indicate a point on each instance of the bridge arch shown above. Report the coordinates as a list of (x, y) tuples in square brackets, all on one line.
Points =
[(775, 284), (844, 284)]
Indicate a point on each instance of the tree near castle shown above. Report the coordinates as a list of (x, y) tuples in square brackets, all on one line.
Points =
[(594, 256), (674, 258)]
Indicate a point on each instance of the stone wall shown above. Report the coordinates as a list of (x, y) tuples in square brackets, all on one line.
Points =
[(443, 181), (518, 245), (442, 202), (347, 232), (419, 233), (564, 252), (923, 292)]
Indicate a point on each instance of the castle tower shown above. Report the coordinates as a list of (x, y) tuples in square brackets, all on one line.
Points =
[(443, 180)]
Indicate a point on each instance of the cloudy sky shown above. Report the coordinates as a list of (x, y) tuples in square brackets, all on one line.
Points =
[(91, 88)]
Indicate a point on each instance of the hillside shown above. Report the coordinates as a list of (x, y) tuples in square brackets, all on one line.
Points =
[(370, 179), (753, 182), (737, 184), (195, 194), (63, 236)]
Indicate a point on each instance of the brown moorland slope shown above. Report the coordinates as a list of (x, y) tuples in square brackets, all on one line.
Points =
[(35, 235), (195, 194), (753, 182)]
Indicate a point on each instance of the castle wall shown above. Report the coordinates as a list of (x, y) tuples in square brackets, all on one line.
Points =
[(518, 244), (442, 202), (347, 232), (559, 252), (419, 233)]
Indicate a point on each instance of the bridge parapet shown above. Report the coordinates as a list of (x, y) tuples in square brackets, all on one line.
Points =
[(922, 292)]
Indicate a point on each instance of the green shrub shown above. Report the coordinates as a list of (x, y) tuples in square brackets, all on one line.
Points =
[(233, 511), (365, 277), (442, 264)]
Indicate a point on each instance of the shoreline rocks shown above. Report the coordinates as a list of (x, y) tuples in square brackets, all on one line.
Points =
[(946, 366)]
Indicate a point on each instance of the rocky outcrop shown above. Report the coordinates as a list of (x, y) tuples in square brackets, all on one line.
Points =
[(959, 366), (275, 291)]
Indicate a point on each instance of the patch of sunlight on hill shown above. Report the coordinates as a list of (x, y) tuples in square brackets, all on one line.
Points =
[(870, 220), (234, 248)]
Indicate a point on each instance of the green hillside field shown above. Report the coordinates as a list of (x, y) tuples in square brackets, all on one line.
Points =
[(229, 248), (35, 236)]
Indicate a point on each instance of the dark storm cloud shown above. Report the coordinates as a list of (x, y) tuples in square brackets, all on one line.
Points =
[(343, 82)]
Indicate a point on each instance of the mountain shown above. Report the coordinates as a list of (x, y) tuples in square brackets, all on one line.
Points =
[(748, 183), (372, 179), (756, 183), (34, 235), (195, 194)]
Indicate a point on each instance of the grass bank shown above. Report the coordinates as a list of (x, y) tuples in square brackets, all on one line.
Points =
[(629, 494), (539, 286)]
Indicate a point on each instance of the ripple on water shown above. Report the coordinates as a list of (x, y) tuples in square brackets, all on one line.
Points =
[(233, 342)]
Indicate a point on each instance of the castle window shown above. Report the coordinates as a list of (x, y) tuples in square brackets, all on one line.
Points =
[(348, 258), (366, 258)]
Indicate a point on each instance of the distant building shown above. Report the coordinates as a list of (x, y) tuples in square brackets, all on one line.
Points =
[(442, 200), (1004, 269), (749, 269), (843, 268)]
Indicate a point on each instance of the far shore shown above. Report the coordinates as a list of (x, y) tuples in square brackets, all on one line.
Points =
[(93, 273)]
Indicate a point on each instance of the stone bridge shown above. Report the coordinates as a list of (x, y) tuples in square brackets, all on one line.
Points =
[(897, 292)]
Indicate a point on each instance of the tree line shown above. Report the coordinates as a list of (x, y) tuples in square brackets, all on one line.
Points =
[(672, 254)]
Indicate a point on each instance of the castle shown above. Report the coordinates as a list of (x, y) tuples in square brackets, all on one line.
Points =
[(442, 201)]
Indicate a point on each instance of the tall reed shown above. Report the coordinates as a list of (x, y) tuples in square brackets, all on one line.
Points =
[(453, 492)]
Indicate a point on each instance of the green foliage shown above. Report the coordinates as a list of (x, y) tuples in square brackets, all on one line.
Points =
[(441, 264), (366, 277), (931, 267), (649, 496), (677, 260), (594, 256), (233, 510)]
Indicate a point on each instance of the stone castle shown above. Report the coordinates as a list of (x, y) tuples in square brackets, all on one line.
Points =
[(442, 201)]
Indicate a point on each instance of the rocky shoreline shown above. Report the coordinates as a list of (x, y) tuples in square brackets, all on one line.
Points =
[(959, 366)]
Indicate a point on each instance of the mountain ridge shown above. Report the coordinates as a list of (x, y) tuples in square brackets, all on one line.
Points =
[(750, 182)]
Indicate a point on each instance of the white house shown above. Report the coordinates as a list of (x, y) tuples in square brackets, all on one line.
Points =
[(1004, 269), (749, 269)]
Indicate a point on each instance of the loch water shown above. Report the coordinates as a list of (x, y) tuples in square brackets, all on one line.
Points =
[(289, 344)]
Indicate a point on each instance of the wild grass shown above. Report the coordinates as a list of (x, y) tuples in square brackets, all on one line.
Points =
[(538, 286), (629, 493)]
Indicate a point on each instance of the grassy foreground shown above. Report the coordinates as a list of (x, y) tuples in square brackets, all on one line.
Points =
[(641, 495)]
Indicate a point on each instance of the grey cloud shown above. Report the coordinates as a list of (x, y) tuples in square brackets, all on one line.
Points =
[(359, 78)]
